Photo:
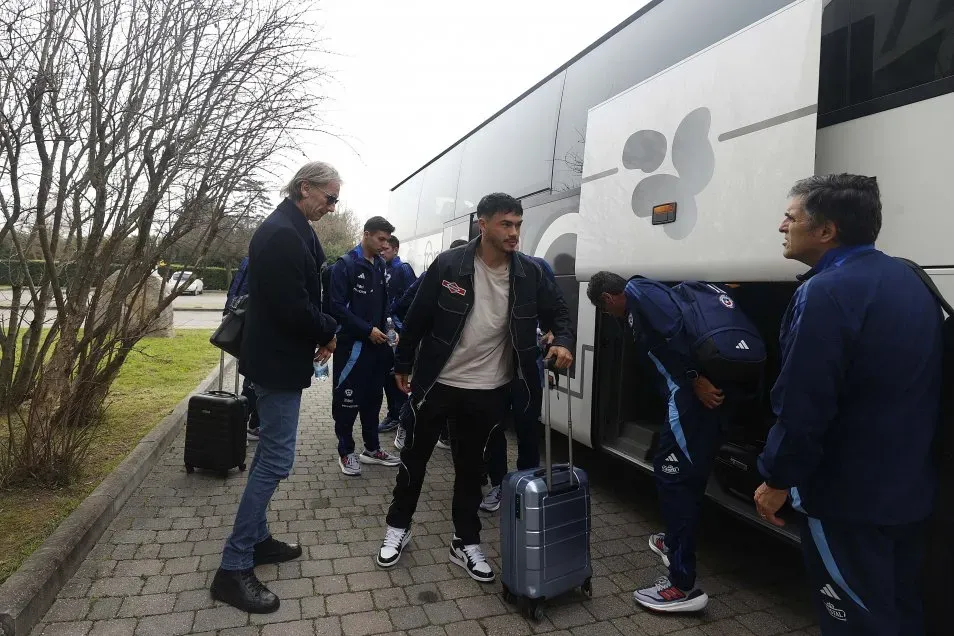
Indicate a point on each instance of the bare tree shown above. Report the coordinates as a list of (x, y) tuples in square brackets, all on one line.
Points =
[(338, 232), (125, 125)]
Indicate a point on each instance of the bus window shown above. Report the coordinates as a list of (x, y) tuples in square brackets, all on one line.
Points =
[(899, 44)]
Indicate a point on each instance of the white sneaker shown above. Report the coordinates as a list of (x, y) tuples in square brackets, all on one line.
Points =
[(399, 438), (657, 543), (491, 500), (443, 443), (663, 596), (380, 457), (394, 541), (349, 465), (472, 559)]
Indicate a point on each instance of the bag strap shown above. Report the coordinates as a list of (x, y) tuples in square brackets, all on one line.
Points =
[(929, 283)]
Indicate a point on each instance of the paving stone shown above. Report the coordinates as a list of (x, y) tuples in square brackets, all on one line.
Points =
[(115, 627), (349, 602), (475, 607), (408, 617), (291, 628), (116, 586), (221, 617), (68, 609), (443, 612), (138, 606), (366, 623), (75, 628), (167, 625), (193, 600)]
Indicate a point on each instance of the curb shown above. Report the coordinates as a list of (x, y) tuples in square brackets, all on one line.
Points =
[(30, 591)]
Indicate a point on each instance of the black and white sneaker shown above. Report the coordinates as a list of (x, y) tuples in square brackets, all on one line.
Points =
[(657, 543), (394, 541), (252, 434), (663, 596), (472, 559)]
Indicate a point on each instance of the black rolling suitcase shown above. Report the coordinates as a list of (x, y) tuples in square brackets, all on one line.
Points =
[(215, 429)]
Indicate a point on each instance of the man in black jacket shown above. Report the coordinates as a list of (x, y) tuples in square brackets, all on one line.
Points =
[(285, 330), (471, 330)]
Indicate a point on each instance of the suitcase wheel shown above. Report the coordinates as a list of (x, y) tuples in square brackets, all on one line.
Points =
[(189, 469), (533, 608), (587, 588), (508, 596), (242, 468)]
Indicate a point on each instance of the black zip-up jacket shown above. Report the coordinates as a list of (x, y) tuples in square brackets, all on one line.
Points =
[(444, 300)]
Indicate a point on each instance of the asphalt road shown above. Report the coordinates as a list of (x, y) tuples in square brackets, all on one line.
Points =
[(191, 312)]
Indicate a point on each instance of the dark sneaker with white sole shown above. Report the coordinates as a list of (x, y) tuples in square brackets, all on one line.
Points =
[(657, 543), (472, 559), (663, 596), (395, 539)]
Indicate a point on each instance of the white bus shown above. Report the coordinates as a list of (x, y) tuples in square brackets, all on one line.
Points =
[(717, 107)]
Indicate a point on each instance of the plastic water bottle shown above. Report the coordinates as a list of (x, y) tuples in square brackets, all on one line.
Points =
[(392, 333), (321, 370)]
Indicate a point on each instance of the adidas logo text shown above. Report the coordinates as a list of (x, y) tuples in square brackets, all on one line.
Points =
[(829, 591)]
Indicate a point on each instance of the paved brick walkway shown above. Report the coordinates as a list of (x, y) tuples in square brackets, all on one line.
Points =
[(150, 572)]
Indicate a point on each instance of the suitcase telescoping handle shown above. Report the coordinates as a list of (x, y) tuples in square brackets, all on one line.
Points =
[(548, 364), (222, 372)]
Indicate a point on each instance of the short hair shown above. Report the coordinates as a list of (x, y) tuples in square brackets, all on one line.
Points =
[(318, 173), (852, 202), (457, 243), (496, 203), (378, 224), (394, 242), (604, 282)]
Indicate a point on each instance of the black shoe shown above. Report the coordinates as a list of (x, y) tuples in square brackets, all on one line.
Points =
[(242, 589), (272, 550)]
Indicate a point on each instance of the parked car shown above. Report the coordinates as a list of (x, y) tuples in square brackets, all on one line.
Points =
[(188, 282)]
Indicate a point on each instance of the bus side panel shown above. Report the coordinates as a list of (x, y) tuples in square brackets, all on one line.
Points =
[(722, 135), (909, 150)]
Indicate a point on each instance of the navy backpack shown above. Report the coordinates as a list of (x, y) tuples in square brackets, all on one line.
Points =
[(723, 341)]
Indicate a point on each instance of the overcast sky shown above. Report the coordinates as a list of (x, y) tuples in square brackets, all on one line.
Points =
[(412, 77)]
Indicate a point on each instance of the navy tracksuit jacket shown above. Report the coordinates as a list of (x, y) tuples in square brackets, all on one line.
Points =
[(359, 301), (857, 405), (399, 276), (692, 434)]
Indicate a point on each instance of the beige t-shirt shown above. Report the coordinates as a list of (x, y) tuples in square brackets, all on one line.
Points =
[(483, 358)]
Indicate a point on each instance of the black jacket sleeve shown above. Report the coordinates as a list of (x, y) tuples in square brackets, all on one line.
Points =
[(554, 314), (282, 264), (419, 318)]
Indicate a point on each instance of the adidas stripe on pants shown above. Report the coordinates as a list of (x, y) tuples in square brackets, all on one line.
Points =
[(865, 579), (688, 444)]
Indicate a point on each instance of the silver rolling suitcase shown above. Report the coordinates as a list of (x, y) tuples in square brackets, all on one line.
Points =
[(545, 528)]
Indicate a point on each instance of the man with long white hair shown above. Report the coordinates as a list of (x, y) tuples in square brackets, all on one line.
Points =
[(285, 330)]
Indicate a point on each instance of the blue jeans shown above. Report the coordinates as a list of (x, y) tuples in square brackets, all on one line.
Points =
[(273, 461)]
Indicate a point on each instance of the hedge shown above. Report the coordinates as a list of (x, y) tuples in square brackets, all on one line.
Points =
[(12, 273)]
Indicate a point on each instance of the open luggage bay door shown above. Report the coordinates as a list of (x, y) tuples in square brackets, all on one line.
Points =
[(686, 174)]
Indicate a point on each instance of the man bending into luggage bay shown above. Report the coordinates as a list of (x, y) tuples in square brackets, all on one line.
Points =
[(698, 415), (284, 325), (474, 319)]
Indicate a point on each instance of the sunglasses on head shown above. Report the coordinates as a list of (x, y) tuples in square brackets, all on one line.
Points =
[(330, 199)]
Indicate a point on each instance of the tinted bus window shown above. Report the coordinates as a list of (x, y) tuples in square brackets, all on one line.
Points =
[(899, 44)]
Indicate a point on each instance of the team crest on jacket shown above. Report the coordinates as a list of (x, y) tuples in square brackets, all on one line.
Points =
[(454, 288), (728, 302)]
